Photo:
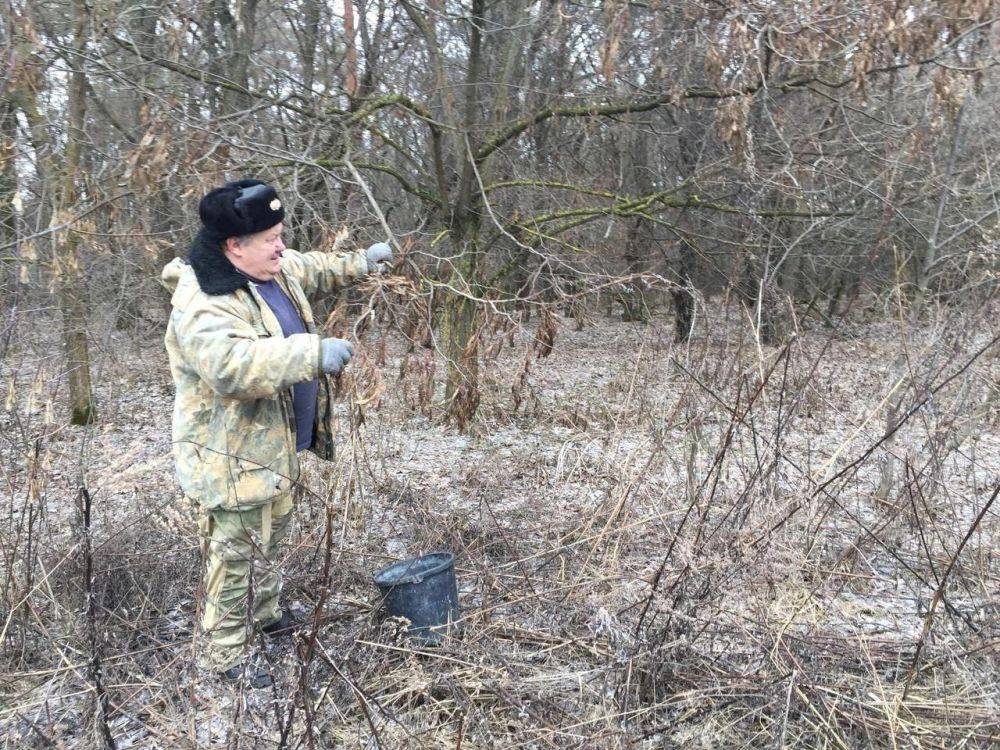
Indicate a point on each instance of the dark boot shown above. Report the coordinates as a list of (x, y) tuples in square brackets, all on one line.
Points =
[(285, 625), (256, 677)]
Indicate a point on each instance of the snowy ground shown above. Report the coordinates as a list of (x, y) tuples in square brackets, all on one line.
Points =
[(660, 546)]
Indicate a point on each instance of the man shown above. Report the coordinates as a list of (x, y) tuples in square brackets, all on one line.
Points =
[(252, 379)]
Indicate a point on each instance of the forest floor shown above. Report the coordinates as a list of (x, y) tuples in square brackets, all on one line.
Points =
[(657, 545)]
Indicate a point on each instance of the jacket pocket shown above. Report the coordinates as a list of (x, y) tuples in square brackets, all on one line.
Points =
[(250, 463), (254, 485)]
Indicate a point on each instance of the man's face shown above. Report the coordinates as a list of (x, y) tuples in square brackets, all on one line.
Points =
[(257, 255)]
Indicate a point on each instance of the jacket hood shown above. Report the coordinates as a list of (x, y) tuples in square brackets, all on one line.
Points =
[(178, 278), (171, 274)]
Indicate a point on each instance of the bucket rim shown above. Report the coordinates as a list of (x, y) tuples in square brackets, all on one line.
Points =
[(447, 560)]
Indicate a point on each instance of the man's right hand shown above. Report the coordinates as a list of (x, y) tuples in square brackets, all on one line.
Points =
[(335, 354)]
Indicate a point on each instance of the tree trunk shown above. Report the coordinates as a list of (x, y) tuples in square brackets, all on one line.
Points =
[(756, 287), (459, 321), (639, 243), (307, 47), (682, 294), (350, 52), (926, 266), (458, 330), (240, 38), (69, 277), (635, 306), (161, 209), (8, 196), (690, 142)]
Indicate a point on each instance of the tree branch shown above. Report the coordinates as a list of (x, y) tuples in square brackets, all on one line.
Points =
[(792, 83)]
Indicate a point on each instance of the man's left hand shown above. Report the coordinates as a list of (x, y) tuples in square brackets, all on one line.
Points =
[(378, 254)]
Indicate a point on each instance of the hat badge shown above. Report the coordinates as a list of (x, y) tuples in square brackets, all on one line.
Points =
[(275, 204)]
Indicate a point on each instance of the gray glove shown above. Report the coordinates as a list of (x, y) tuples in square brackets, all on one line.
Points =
[(378, 253), (335, 354)]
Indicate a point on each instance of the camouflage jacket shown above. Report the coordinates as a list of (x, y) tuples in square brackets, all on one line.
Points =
[(233, 423)]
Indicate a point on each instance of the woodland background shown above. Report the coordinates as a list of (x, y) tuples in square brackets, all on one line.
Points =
[(689, 354)]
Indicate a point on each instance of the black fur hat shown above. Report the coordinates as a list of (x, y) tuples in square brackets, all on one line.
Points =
[(239, 208)]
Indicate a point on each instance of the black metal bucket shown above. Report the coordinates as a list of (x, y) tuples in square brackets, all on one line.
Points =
[(424, 591)]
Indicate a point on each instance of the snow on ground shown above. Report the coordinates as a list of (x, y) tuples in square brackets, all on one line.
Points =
[(677, 542)]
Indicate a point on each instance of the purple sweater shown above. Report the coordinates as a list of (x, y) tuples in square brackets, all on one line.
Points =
[(303, 394)]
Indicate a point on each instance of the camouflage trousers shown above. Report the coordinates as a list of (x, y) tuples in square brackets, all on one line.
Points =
[(242, 579)]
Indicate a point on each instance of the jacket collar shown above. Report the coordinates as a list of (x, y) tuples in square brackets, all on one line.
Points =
[(215, 274)]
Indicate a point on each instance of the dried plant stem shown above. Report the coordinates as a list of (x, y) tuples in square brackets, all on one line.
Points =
[(94, 668), (939, 591)]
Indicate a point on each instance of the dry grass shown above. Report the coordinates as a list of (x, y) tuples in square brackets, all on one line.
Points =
[(658, 546)]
